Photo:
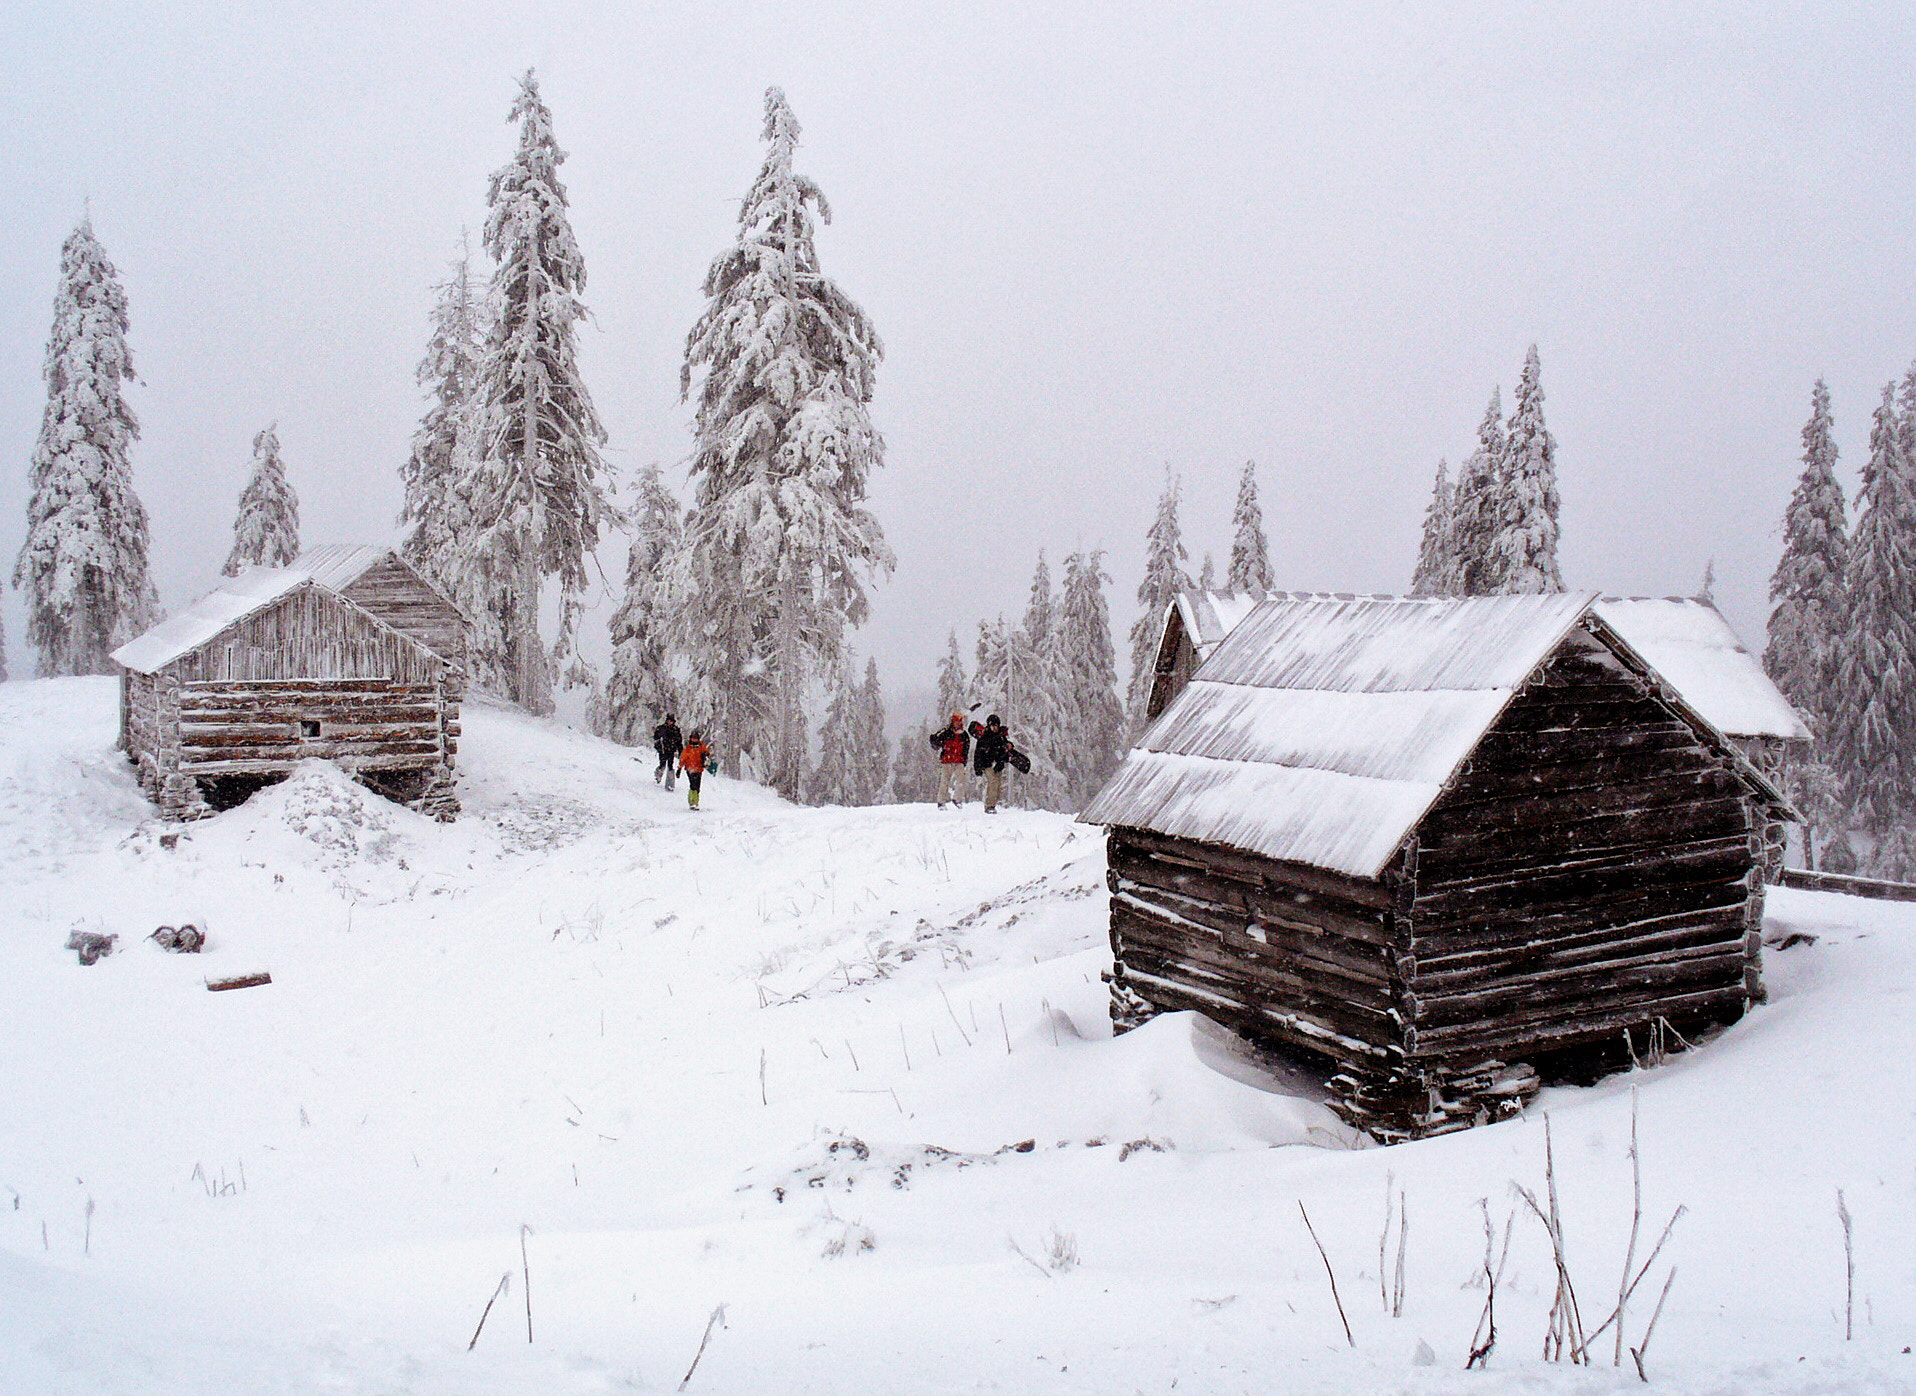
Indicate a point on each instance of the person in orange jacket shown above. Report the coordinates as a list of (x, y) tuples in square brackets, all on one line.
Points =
[(692, 761)]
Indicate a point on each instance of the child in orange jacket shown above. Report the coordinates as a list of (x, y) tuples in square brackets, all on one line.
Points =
[(692, 762)]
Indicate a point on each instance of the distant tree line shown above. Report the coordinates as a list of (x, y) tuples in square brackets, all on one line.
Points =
[(1842, 640)]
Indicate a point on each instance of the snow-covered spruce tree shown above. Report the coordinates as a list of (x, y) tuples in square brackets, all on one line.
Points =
[(1207, 574), (1094, 729), (1875, 689), (1250, 568), (1523, 545), (535, 494), (911, 773), (1436, 568), (1164, 578), (784, 450), (953, 686), (446, 444), (641, 689), (834, 780), (266, 529), (84, 563), (1474, 507), (1807, 588), (868, 745)]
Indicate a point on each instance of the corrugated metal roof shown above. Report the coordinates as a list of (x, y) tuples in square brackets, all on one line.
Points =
[(1692, 647), (1380, 644), (1324, 726), (1211, 615), (337, 566)]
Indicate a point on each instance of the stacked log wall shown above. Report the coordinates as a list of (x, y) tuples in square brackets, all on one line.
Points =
[(255, 727), (1594, 869), (1277, 951)]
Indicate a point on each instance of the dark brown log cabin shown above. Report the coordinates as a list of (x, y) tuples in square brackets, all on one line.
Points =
[(1439, 843), (276, 667)]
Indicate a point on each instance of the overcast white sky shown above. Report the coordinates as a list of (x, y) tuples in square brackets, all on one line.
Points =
[(1095, 238)]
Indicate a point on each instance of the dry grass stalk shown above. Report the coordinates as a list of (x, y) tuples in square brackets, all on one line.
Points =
[(1487, 1321), (1849, 1268), (525, 1269), (717, 1318), (1328, 1271), (1566, 1323), (505, 1282), (1636, 1353)]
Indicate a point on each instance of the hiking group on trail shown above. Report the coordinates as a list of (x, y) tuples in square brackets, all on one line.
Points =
[(680, 752), (983, 746), (988, 746)]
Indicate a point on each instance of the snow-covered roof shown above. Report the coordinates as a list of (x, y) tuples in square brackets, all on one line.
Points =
[(334, 566), (1692, 647), (1324, 727), (232, 601), (337, 566), (1211, 615)]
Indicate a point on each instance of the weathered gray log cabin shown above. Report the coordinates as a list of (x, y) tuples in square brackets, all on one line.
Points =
[(1442, 843), (1195, 624), (348, 655)]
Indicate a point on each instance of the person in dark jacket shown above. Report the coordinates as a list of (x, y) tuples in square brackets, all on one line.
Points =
[(667, 741), (991, 749), (953, 744)]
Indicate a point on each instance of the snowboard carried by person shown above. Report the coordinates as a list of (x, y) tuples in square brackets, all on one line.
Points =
[(992, 751)]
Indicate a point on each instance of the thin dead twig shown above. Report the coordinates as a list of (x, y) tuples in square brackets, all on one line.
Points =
[(1328, 1271), (505, 1281)]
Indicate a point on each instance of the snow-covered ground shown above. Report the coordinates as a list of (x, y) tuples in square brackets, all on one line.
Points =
[(846, 1073)]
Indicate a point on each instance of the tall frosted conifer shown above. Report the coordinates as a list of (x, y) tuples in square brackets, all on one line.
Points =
[(1876, 672), (1250, 568), (952, 683), (1523, 545), (869, 738), (1436, 562), (1164, 578), (84, 563), (447, 443), (1807, 589), (779, 544), (1094, 718), (266, 529), (536, 497), (641, 689), (1474, 508), (834, 781)]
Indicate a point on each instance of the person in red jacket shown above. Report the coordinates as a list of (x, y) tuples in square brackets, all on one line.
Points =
[(953, 745), (692, 761)]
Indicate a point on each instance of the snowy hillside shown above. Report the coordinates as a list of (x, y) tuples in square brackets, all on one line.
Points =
[(846, 1073)]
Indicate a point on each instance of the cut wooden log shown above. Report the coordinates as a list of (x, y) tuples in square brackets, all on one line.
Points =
[(239, 981)]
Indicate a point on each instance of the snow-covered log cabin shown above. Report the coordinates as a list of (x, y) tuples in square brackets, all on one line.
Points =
[(1447, 844), (1195, 624), (348, 655)]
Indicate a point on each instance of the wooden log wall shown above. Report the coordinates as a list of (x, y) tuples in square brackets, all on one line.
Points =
[(1301, 956), (258, 727), (394, 593), (309, 677), (1594, 869), (308, 634)]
